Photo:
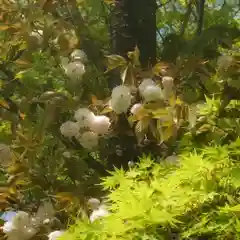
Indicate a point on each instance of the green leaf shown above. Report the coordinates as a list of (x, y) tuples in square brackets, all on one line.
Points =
[(115, 61)]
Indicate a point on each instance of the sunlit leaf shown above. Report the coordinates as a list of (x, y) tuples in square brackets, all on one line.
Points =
[(65, 196), (22, 62), (132, 119), (4, 103), (142, 113), (107, 109), (143, 124), (115, 61), (167, 133), (16, 168), (154, 130), (124, 74), (109, 2), (134, 56), (204, 128), (161, 112)]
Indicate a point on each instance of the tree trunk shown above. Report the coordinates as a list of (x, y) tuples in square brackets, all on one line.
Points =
[(143, 23), (134, 24)]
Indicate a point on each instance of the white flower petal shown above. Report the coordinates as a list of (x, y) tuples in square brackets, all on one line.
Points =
[(75, 70), (146, 82), (69, 129), (55, 235), (100, 124), (121, 99), (135, 108), (120, 91), (79, 55), (84, 117), (21, 220), (94, 203), (89, 140), (8, 227), (99, 213), (152, 93)]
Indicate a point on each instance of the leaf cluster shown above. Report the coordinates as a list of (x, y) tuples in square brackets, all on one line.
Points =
[(196, 197)]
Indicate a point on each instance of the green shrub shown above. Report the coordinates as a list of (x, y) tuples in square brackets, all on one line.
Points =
[(196, 197)]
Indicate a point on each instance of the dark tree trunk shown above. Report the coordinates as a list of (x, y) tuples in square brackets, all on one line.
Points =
[(143, 19), (134, 24)]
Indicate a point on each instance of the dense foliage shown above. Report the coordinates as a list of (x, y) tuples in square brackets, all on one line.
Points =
[(194, 195), (161, 133)]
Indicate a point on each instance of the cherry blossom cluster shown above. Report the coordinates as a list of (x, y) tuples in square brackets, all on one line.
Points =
[(74, 67), (87, 127), (24, 226)]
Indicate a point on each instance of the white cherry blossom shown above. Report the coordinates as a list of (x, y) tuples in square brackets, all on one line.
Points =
[(89, 140), (145, 83), (84, 117), (152, 93), (75, 70), (19, 227), (99, 213), (135, 108), (79, 55), (121, 99), (94, 203), (69, 129), (100, 124)]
